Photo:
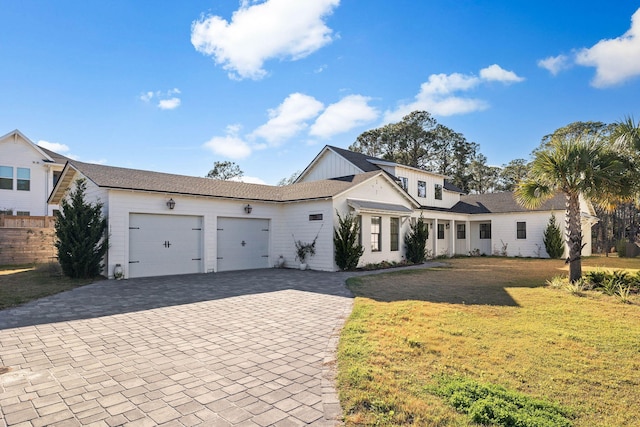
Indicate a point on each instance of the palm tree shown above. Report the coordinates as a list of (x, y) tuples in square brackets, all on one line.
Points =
[(626, 137), (575, 165)]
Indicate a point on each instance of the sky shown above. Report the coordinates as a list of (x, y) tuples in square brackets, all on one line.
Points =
[(176, 86)]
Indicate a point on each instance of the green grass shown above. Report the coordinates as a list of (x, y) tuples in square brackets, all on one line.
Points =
[(20, 284), (490, 321)]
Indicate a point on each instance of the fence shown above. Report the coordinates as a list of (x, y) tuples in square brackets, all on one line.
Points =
[(26, 239)]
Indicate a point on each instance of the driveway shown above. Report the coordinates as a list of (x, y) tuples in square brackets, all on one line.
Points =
[(250, 348)]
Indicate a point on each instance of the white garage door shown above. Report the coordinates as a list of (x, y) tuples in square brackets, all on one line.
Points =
[(161, 245), (243, 243)]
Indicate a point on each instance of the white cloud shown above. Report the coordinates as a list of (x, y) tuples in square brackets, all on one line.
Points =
[(437, 94), (496, 73), (230, 145), (555, 64), (261, 31), (616, 60), (54, 146), (166, 99), (289, 118), (169, 104), (346, 114)]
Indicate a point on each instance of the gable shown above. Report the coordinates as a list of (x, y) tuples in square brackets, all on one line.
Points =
[(21, 150), (331, 163)]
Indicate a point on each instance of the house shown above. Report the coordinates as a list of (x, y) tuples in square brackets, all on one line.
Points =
[(28, 173), (162, 224)]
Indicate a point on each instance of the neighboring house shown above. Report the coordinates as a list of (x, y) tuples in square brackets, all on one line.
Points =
[(28, 173), (161, 224)]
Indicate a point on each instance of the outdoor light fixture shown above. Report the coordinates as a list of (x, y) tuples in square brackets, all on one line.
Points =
[(248, 209), (447, 226), (171, 204)]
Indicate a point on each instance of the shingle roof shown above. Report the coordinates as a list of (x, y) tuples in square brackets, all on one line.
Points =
[(134, 179), (450, 187), (358, 159), (58, 158), (502, 203)]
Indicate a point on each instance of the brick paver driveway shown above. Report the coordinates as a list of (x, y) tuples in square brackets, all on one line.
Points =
[(251, 348)]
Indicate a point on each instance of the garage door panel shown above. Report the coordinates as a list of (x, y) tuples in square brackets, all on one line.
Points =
[(164, 245), (242, 243)]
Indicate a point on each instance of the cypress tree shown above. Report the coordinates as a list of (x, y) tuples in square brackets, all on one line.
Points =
[(81, 235), (345, 240), (416, 241), (553, 242)]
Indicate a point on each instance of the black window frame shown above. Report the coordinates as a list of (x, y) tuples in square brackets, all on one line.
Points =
[(461, 231), (422, 185), (376, 236), (440, 231), (437, 191), (521, 230), (485, 231), (394, 233)]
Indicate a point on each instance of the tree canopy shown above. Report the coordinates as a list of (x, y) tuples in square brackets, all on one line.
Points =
[(225, 171), (575, 164)]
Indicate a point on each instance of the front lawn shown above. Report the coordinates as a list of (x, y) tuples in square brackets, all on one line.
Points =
[(488, 324), (23, 283)]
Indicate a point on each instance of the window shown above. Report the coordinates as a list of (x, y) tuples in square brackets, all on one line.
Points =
[(56, 177), (376, 228), (23, 213), (440, 231), (6, 178), (24, 179), (394, 233), (6, 212), (485, 231), (404, 182), (461, 231), (359, 222), (315, 217), (437, 191), (422, 189), (521, 230)]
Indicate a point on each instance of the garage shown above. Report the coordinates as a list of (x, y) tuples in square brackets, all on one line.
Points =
[(242, 243), (161, 245)]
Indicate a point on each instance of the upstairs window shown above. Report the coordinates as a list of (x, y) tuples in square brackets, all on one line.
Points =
[(521, 230), (6, 178), (437, 191), (394, 233), (23, 213), (315, 217), (422, 189), (461, 231), (404, 182), (56, 177), (376, 233), (24, 179)]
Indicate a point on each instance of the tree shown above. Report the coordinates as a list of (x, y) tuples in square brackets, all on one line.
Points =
[(574, 165), (81, 235), (225, 171), (290, 179), (552, 239), (345, 240), (415, 241), (484, 178), (512, 173)]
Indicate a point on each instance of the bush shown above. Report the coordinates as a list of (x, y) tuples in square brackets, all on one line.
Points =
[(81, 232), (490, 404), (621, 248), (345, 240), (552, 239), (416, 241)]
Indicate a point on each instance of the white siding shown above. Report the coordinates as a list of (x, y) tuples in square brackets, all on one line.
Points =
[(448, 198), (377, 190), (330, 165), (21, 154)]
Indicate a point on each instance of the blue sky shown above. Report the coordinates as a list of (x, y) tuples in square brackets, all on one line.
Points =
[(175, 86)]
